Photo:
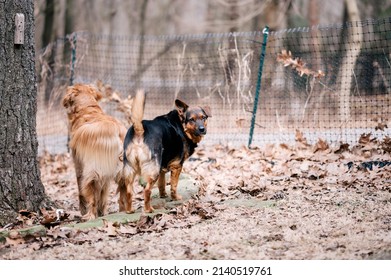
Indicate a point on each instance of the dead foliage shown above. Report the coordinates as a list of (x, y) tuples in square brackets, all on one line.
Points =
[(315, 193), (124, 105), (286, 58)]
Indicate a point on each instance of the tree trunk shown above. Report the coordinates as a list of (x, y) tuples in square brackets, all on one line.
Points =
[(20, 184), (47, 37), (230, 66), (313, 15), (140, 58), (354, 40)]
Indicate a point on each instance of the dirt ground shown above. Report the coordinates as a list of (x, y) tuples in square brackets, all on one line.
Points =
[(274, 202)]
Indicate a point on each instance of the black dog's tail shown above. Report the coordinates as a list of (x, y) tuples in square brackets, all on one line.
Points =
[(138, 112)]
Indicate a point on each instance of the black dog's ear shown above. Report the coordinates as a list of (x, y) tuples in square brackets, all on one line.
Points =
[(181, 107), (207, 110)]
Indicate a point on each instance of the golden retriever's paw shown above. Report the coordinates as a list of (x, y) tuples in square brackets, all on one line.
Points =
[(88, 217), (149, 210), (163, 195)]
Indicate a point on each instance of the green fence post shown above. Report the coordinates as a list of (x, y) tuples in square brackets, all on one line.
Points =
[(72, 74), (73, 59), (258, 87)]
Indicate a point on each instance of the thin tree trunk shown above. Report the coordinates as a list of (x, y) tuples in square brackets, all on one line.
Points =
[(20, 184), (313, 15), (349, 61), (230, 67), (140, 58), (46, 39)]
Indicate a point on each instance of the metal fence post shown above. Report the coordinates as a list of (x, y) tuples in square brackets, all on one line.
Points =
[(73, 58), (258, 87), (72, 74)]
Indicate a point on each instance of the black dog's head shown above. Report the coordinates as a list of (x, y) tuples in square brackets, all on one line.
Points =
[(194, 120)]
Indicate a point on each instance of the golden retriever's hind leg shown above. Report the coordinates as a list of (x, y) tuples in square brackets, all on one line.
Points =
[(175, 172), (79, 178), (162, 184), (89, 194), (82, 205), (102, 200)]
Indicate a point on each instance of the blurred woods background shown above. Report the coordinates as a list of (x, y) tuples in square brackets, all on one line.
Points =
[(57, 18), (208, 52)]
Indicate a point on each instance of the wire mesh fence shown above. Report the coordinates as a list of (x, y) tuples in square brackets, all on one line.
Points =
[(328, 82)]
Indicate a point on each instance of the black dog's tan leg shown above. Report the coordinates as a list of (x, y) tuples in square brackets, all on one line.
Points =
[(123, 197), (162, 184), (147, 195), (129, 194), (175, 172), (125, 180), (121, 190), (125, 189)]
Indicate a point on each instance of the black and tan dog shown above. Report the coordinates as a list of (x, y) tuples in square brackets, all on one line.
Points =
[(154, 147)]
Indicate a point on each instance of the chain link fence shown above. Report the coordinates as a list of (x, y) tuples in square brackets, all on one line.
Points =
[(329, 82)]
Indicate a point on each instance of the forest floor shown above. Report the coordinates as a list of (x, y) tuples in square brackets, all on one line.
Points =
[(275, 202)]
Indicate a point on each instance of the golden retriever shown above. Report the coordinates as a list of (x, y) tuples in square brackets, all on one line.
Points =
[(96, 141)]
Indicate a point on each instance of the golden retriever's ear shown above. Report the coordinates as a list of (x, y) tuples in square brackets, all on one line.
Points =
[(207, 110), (97, 95), (93, 91), (181, 108), (67, 101)]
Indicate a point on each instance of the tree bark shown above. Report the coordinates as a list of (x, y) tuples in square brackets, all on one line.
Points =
[(354, 40), (313, 15), (20, 183), (230, 66), (140, 58)]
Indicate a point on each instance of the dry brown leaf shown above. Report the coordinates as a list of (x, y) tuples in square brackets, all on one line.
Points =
[(115, 97), (241, 122), (124, 105), (16, 241), (286, 58), (128, 229), (110, 228), (321, 145), (381, 126), (386, 144), (343, 147), (299, 138), (53, 217), (365, 138)]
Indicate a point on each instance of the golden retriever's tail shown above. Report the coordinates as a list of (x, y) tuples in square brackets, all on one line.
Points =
[(138, 112)]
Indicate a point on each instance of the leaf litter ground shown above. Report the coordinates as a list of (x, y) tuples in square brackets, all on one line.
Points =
[(275, 202)]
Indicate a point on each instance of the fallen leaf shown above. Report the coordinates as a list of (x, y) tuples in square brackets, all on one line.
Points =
[(110, 228), (321, 145), (365, 138)]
